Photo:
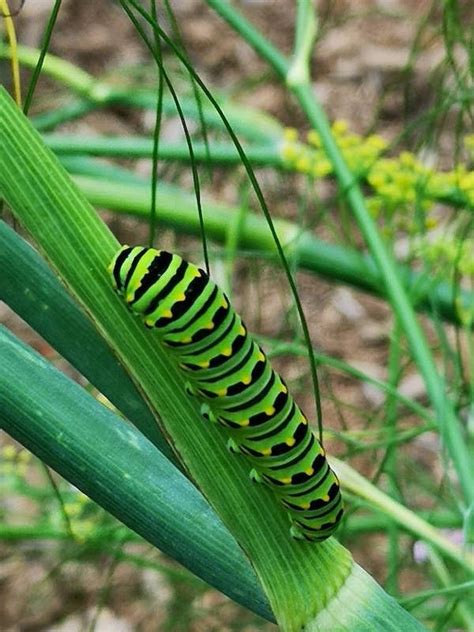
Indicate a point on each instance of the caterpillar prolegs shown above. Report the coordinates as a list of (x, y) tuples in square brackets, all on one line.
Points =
[(227, 370)]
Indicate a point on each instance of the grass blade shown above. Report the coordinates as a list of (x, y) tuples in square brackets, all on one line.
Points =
[(99, 453)]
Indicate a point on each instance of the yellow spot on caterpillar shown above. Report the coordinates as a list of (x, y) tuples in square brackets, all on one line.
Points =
[(247, 379), (309, 471), (285, 481), (242, 330), (269, 411), (204, 364), (291, 441), (226, 352), (323, 451), (180, 297), (261, 356), (209, 325), (283, 389), (224, 302), (305, 506), (222, 392), (167, 313), (266, 452), (325, 498), (186, 340), (149, 322), (304, 421), (245, 422)]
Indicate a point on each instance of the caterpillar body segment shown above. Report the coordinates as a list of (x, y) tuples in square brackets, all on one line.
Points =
[(227, 370)]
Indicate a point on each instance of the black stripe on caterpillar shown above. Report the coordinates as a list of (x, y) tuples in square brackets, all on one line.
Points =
[(231, 375)]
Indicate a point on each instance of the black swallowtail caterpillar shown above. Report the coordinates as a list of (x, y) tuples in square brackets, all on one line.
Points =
[(233, 378)]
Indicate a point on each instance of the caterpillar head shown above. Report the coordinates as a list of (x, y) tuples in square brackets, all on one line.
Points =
[(130, 265)]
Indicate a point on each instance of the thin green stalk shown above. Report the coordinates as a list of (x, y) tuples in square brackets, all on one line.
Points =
[(361, 488), (123, 192), (390, 458), (50, 119), (98, 93), (44, 49), (465, 609), (449, 425), (221, 154), (100, 535), (362, 525), (305, 34), (277, 347), (156, 140), (464, 588)]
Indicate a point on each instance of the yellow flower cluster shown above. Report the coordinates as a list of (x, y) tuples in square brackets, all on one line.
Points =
[(403, 190), (359, 153), (397, 183), (82, 517), (81, 512), (469, 144), (449, 252), (14, 461)]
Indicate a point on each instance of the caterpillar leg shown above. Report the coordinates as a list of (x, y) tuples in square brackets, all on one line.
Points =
[(296, 532), (233, 447), (190, 390), (208, 414), (255, 477)]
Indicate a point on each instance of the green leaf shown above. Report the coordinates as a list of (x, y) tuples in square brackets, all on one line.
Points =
[(102, 455), (36, 295)]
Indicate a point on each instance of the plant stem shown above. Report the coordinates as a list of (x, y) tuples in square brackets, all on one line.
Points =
[(450, 428), (124, 192)]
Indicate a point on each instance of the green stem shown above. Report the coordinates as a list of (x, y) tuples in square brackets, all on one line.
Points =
[(360, 487), (306, 26), (125, 193), (361, 525), (250, 123), (394, 361), (449, 424), (96, 93), (221, 154)]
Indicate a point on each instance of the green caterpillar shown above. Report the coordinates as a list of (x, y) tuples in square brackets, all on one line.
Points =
[(229, 372)]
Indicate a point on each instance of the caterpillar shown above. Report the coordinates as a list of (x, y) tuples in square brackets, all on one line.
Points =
[(230, 374)]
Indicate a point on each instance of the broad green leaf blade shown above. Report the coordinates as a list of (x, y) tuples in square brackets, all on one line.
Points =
[(36, 295), (299, 578), (100, 454)]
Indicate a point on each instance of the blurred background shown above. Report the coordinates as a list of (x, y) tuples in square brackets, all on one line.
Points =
[(394, 71)]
